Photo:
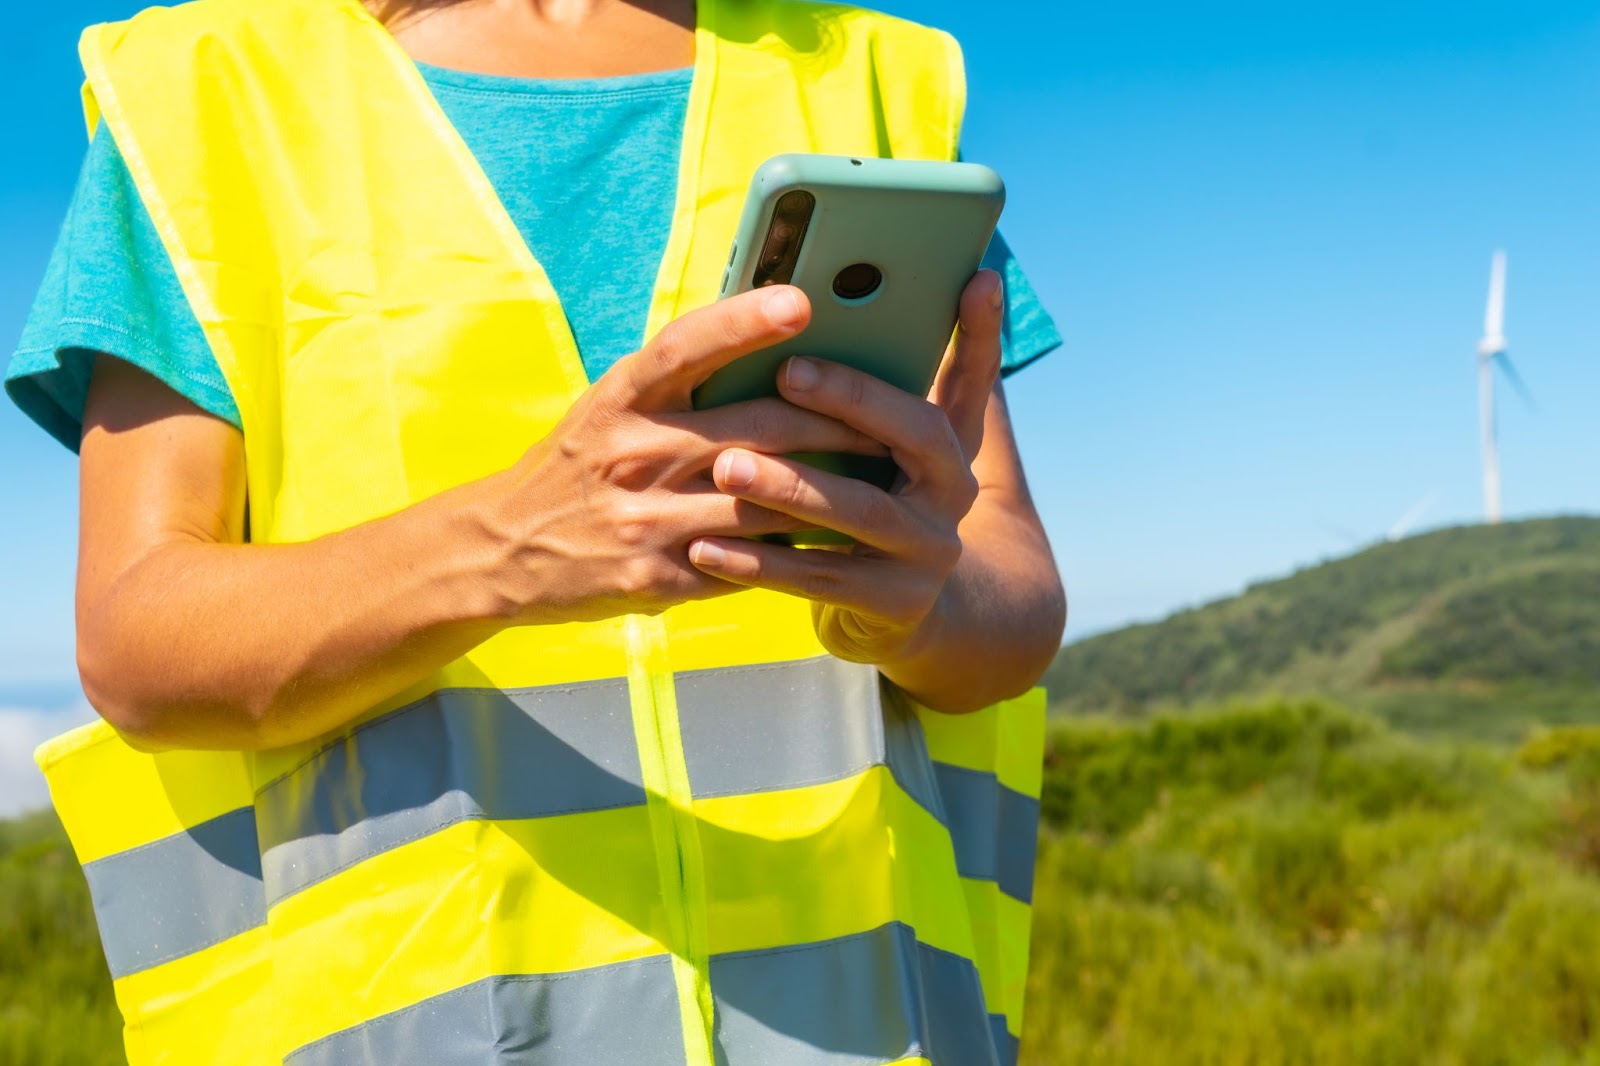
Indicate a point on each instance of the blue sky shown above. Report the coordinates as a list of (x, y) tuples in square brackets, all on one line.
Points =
[(1265, 230)]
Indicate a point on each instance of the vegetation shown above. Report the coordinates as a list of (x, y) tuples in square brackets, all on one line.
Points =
[(55, 993), (1478, 631), (1543, 624), (1293, 884)]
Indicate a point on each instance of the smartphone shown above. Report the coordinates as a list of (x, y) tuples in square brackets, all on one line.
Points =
[(882, 248)]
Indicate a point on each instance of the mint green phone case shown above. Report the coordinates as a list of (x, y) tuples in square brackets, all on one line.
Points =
[(923, 225)]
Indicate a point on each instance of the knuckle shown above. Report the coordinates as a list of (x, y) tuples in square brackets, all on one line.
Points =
[(675, 582), (640, 580), (758, 419), (669, 348), (882, 512), (855, 390), (753, 518), (816, 583), (931, 430), (794, 492), (572, 448), (633, 525)]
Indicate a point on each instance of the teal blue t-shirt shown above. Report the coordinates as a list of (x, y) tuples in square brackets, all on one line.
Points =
[(586, 168)]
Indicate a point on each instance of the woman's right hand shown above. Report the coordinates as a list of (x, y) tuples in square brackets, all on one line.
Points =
[(596, 518)]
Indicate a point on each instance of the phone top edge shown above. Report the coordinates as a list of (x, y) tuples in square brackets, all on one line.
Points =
[(794, 170)]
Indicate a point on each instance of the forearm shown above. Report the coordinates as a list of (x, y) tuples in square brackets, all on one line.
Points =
[(998, 622), (206, 645)]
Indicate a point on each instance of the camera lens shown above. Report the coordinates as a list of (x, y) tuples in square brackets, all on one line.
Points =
[(857, 281), (798, 202), (782, 232)]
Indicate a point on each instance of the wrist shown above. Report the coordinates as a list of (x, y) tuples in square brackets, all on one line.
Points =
[(479, 572)]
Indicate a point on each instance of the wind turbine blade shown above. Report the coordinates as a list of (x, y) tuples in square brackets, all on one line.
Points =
[(1494, 315), (1410, 518), (1512, 376)]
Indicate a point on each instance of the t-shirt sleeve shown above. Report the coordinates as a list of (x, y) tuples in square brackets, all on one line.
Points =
[(1029, 333), (109, 288)]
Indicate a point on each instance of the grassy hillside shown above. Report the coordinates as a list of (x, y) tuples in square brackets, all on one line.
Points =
[(1295, 884), (1279, 885), (1477, 631)]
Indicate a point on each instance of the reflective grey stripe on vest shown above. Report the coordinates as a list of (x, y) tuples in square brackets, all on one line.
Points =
[(863, 1000), (468, 754), (995, 829), (623, 1013), (787, 725), (454, 756), (460, 755), (179, 894)]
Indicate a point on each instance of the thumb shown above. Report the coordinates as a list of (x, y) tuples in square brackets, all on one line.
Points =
[(663, 374)]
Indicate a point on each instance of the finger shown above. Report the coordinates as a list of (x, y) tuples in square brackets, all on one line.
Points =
[(676, 517), (823, 500), (917, 432), (663, 374), (664, 516), (710, 512), (873, 587), (769, 425), (968, 373)]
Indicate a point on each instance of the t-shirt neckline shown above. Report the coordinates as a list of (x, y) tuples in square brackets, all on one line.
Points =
[(472, 81)]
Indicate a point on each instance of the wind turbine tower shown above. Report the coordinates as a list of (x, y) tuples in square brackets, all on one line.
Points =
[(1492, 352)]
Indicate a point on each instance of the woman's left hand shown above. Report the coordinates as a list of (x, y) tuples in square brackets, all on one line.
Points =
[(879, 600)]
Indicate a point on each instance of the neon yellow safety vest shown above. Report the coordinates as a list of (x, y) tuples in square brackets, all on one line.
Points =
[(690, 839)]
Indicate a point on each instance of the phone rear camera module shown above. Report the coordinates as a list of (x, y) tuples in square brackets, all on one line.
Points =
[(785, 235), (857, 281)]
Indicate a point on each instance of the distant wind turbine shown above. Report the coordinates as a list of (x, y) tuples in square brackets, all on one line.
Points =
[(1411, 517), (1492, 351)]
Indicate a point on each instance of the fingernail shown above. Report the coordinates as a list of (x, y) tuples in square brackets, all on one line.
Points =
[(783, 308), (800, 374), (997, 298), (737, 470), (706, 555)]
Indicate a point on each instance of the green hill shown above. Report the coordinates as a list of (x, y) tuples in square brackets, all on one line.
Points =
[(1476, 630)]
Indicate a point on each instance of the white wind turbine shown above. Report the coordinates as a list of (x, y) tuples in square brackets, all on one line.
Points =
[(1492, 351)]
